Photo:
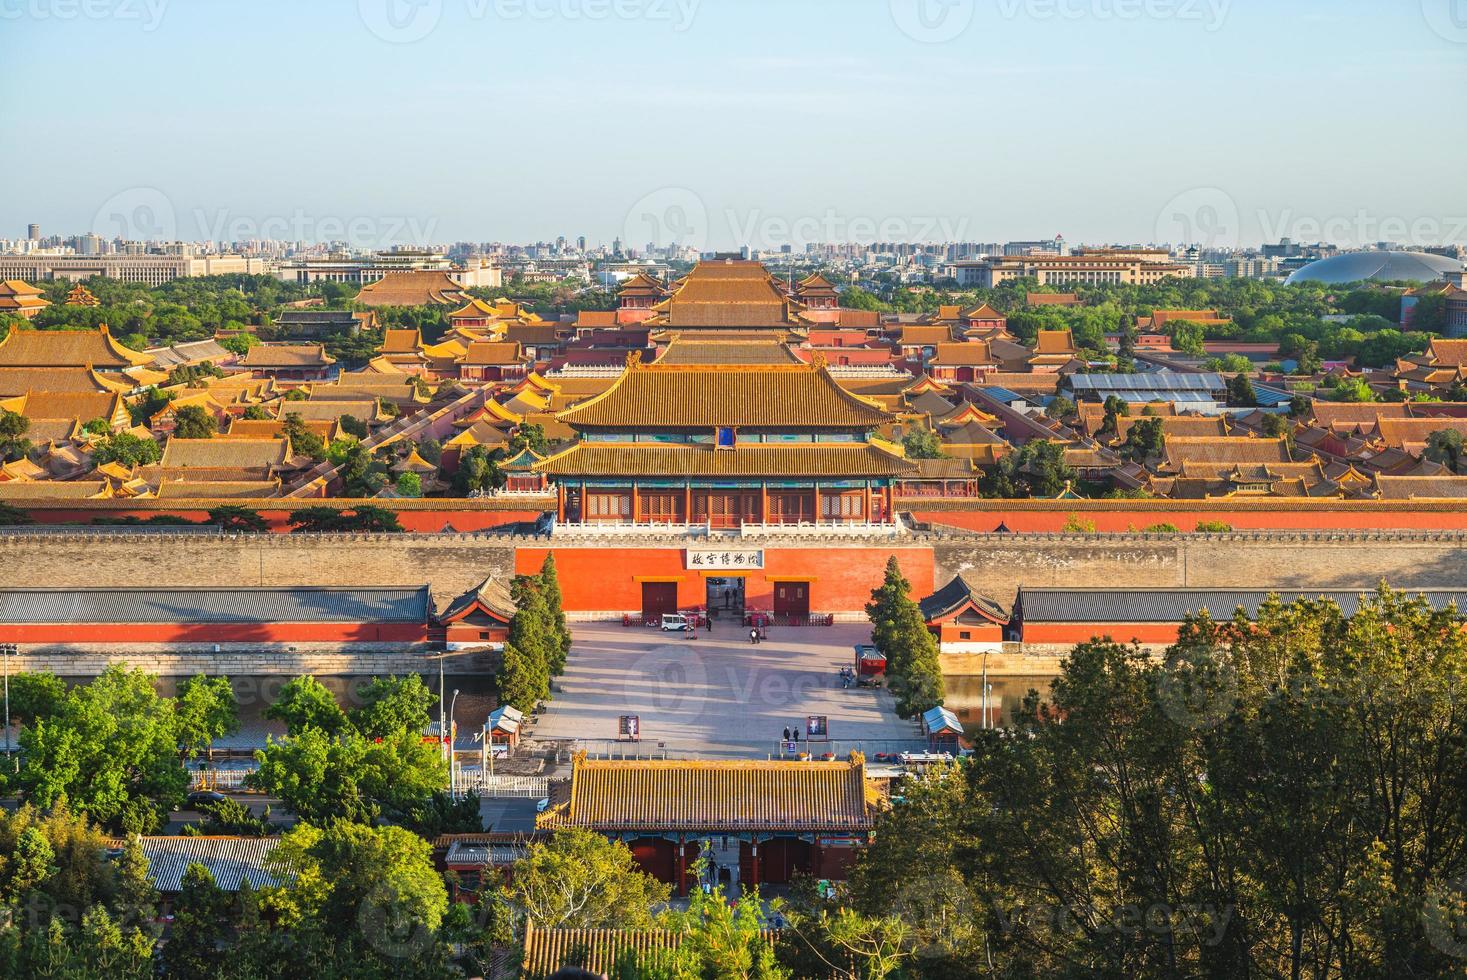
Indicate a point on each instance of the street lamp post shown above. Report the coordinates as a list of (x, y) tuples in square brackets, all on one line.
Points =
[(5, 650), (448, 733)]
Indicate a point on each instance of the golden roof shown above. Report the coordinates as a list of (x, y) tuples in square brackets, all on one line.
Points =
[(224, 453), (401, 341), (770, 396), (726, 294), (417, 288), (775, 460), (671, 795), (67, 348)]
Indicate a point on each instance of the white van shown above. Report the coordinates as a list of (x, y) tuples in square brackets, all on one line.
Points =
[(675, 623)]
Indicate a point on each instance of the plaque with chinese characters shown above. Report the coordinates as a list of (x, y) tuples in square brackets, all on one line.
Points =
[(725, 560)]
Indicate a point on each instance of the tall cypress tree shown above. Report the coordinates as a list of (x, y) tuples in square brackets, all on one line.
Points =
[(517, 680), (913, 669), (532, 633), (550, 589)]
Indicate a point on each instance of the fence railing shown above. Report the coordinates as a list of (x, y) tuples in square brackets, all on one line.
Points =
[(467, 779), (220, 780)]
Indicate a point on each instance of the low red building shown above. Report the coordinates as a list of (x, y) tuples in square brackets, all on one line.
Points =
[(964, 620), (479, 618), (209, 618)]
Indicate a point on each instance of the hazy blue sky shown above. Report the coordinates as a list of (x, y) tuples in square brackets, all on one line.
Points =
[(730, 121)]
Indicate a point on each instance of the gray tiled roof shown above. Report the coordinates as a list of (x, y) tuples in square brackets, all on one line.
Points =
[(1172, 605), (230, 859), (185, 605)]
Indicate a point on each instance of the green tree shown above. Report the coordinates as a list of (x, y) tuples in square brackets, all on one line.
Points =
[(1114, 408), (1241, 393), (348, 877), (13, 443), (393, 704), (900, 632), (1145, 439), (518, 679), (410, 485), (207, 711), (478, 472), (579, 879), (354, 426), (349, 776), (35, 695), (304, 703), (193, 422), (14, 517), (534, 635), (1444, 446), (110, 749), (1060, 407), (200, 926), (549, 584), (126, 449), (257, 413), (302, 439), (233, 517), (922, 443)]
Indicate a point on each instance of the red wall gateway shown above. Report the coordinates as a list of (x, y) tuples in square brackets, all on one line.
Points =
[(840, 579)]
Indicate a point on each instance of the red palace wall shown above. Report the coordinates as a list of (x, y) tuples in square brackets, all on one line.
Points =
[(1164, 634), (1051, 517), (64, 633), (841, 579)]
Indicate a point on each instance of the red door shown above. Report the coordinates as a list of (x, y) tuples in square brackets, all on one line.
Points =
[(658, 598), (792, 599)]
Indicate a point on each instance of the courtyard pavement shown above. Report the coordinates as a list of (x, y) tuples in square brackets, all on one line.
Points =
[(718, 696)]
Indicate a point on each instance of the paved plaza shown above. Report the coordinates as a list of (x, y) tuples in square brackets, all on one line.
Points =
[(718, 696)]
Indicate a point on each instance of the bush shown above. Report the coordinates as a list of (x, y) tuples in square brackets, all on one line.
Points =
[(1213, 527)]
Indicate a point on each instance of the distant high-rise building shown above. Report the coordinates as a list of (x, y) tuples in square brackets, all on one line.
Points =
[(33, 232), (581, 243)]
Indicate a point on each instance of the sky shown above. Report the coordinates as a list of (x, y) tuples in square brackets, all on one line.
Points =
[(721, 123)]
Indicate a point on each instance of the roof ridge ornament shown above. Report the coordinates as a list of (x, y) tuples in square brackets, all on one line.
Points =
[(634, 360), (818, 361)]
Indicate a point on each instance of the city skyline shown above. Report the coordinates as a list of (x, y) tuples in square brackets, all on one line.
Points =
[(1222, 124)]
